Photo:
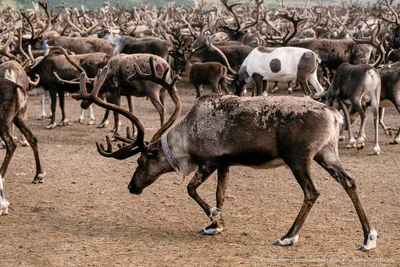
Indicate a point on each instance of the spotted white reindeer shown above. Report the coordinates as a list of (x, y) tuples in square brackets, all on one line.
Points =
[(282, 64)]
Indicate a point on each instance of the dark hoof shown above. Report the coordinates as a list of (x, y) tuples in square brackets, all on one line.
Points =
[(212, 229), (39, 179)]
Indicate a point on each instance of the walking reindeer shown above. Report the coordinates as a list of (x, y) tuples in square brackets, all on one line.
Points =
[(215, 134)]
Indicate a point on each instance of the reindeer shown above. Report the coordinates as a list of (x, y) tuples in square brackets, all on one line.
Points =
[(282, 64), (14, 85), (212, 73), (213, 135), (117, 83)]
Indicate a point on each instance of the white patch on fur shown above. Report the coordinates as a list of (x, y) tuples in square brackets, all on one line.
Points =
[(371, 242), (37, 91), (259, 62), (115, 39), (10, 75), (211, 231), (287, 241), (3, 201)]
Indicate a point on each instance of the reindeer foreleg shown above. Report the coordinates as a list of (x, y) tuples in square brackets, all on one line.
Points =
[(201, 175)]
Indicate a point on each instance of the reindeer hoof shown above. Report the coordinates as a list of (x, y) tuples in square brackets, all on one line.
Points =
[(395, 142), (49, 116), (24, 143), (212, 229), (370, 243), (388, 132), (287, 241), (4, 204), (351, 145), (91, 122), (342, 138), (103, 124), (41, 117), (290, 90), (39, 178), (375, 151), (51, 125), (78, 120), (274, 90), (64, 123)]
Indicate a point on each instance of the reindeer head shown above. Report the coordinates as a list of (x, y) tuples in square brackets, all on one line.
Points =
[(153, 161)]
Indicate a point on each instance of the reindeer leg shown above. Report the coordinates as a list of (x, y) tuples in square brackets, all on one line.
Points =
[(198, 93), (275, 88), (217, 224), (42, 105), (105, 122), (258, 80), (330, 162), (53, 97), (155, 100), (375, 103), (91, 115), (5, 134), (64, 121), (387, 130), (396, 140), (3, 201), (361, 134), (224, 86), (32, 140), (202, 173), (301, 171), (265, 88), (352, 140), (81, 116)]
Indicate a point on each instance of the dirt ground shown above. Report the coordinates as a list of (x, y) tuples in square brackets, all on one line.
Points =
[(83, 215)]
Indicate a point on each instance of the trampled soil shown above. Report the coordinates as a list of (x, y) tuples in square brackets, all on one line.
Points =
[(83, 215)]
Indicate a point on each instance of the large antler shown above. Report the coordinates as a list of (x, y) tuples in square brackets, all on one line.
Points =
[(295, 20), (230, 8), (169, 86), (374, 41), (123, 152), (6, 51)]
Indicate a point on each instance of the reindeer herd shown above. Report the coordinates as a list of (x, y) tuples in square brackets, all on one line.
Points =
[(346, 52)]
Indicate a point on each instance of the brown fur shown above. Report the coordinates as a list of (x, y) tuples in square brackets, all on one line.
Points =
[(209, 73)]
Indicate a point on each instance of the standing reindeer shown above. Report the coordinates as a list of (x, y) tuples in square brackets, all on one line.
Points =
[(14, 85), (214, 135)]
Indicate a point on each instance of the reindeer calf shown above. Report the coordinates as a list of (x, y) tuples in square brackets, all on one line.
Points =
[(355, 85), (209, 73)]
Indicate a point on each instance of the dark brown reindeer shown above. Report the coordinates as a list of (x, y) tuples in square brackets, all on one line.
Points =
[(213, 135), (14, 85), (209, 73)]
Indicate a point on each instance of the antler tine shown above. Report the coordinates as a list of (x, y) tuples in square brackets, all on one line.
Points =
[(258, 3), (230, 8), (134, 146), (295, 22), (374, 41), (76, 65), (20, 47), (6, 51), (396, 16)]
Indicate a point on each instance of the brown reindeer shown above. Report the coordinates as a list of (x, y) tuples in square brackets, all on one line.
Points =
[(14, 85), (214, 135)]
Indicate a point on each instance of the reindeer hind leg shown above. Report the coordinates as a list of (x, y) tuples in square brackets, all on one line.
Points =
[(32, 140), (330, 161)]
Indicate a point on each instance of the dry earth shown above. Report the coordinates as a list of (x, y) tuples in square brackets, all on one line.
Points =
[(83, 215)]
